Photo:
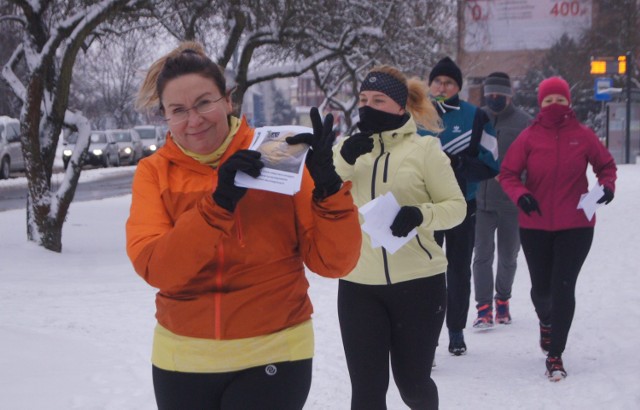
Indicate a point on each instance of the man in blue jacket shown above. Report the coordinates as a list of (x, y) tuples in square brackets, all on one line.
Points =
[(469, 141)]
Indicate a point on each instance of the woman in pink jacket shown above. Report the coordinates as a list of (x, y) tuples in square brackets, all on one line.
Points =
[(556, 236)]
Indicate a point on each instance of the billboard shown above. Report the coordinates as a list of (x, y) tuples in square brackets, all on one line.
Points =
[(510, 25)]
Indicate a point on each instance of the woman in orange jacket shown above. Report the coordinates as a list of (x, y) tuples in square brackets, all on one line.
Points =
[(234, 317)]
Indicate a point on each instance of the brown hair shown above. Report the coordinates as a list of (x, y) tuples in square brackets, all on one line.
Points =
[(188, 58), (418, 103)]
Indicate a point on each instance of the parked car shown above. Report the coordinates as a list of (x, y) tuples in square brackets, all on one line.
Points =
[(102, 151), (152, 138), (129, 145), (11, 159)]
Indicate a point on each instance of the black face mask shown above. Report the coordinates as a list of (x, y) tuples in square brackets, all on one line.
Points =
[(375, 121), (497, 103)]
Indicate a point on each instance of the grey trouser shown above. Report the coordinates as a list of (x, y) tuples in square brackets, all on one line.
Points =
[(506, 224)]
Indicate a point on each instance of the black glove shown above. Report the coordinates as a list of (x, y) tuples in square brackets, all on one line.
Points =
[(227, 194), (408, 218), (528, 204), (320, 157), (456, 160), (356, 145), (606, 197)]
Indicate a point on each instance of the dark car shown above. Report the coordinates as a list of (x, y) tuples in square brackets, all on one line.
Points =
[(103, 150), (129, 145), (152, 138)]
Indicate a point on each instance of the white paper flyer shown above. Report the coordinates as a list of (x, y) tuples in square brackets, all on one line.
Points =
[(283, 163), (378, 215)]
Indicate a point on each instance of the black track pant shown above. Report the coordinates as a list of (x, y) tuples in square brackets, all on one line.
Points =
[(555, 260), (279, 386), (458, 243), (401, 321)]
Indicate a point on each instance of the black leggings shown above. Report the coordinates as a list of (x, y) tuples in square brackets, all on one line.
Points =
[(555, 260), (459, 242), (403, 321), (278, 386)]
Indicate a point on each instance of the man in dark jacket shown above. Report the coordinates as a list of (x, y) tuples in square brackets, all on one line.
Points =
[(495, 211), (469, 141)]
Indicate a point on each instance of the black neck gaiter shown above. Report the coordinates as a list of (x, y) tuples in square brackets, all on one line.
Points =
[(376, 121)]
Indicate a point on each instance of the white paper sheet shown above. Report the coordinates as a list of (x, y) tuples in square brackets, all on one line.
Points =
[(589, 201), (378, 216)]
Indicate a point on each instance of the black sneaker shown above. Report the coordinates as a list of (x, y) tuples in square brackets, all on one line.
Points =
[(555, 369), (545, 337), (456, 343)]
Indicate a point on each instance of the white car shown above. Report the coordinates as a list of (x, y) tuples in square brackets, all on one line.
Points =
[(152, 138), (11, 159)]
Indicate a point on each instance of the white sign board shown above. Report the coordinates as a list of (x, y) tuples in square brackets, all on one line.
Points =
[(507, 25)]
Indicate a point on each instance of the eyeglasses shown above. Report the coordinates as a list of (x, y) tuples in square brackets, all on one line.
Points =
[(446, 84), (181, 114)]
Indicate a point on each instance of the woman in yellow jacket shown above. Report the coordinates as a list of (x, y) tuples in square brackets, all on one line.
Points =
[(393, 305), (234, 318)]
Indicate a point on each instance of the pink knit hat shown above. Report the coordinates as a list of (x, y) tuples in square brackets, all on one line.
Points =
[(553, 85)]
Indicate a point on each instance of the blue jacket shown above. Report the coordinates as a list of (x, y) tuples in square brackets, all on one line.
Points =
[(469, 137)]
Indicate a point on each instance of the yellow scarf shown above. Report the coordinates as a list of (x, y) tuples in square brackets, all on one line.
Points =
[(213, 158)]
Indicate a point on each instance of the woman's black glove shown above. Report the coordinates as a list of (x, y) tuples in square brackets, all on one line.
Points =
[(356, 145), (227, 194), (528, 204), (606, 197), (320, 157), (408, 218)]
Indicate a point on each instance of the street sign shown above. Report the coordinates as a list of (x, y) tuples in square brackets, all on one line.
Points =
[(602, 88)]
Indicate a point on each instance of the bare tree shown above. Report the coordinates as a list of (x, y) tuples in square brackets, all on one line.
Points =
[(53, 33), (411, 35), (108, 77)]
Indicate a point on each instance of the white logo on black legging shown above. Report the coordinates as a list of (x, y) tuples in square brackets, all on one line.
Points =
[(271, 370)]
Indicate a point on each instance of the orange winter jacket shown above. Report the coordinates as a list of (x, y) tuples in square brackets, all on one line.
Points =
[(225, 275)]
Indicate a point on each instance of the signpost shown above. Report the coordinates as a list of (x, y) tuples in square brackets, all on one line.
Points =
[(603, 89)]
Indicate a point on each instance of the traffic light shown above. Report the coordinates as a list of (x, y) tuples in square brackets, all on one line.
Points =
[(608, 65), (598, 67), (622, 64)]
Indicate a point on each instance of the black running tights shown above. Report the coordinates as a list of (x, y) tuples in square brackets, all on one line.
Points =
[(554, 260), (277, 386)]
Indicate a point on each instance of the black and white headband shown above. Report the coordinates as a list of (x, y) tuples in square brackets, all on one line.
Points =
[(386, 84)]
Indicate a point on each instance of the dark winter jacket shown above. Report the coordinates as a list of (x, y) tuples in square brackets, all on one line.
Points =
[(555, 158), (508, 125), (469, 137)]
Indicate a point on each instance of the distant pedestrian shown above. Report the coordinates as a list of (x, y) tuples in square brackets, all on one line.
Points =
[(556, 236), (469, 141), (496, 213)]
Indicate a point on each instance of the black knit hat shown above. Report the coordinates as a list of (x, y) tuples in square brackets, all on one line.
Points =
[(446, 67), (498, 83)]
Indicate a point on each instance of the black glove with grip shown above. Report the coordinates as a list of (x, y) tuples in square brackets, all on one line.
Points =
[(227, 194), (606, 197), (528, 204), (320, 157), (356, 145), (407, 218)]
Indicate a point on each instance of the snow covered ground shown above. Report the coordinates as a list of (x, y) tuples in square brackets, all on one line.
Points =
[(76, 327)]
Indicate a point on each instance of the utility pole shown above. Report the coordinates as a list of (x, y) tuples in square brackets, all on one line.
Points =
[(627, 141)]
